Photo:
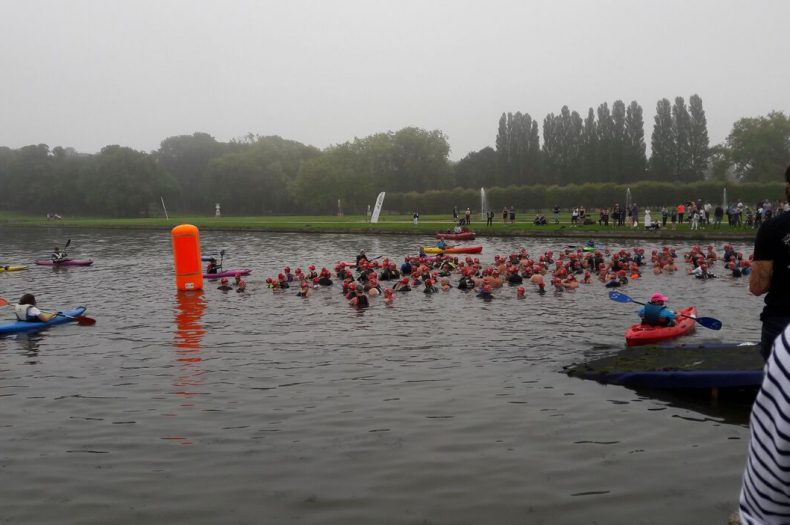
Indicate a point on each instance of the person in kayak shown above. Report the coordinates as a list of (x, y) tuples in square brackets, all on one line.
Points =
[(223, 285), (57, 255), (212, 266), (26, 310), (655, 313)]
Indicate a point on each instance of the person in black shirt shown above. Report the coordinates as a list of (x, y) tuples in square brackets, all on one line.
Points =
[(771, 273)]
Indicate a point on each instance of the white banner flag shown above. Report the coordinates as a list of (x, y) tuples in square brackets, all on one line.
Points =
[(377, 209)]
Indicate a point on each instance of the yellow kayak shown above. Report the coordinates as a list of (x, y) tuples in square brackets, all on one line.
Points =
[(9, 268)]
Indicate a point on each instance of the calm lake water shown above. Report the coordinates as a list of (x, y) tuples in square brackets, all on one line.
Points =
[(263, 407)]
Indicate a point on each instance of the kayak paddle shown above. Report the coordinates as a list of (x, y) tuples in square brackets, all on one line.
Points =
[(3, 302), (707, 322), (82, 320)]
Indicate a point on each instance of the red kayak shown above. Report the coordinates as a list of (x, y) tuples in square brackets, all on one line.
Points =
[(452, 249), (64, 262), (227, 273), (463, 236), (645, 334)]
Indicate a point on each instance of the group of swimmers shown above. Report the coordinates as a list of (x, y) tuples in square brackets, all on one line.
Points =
[(563, 271)]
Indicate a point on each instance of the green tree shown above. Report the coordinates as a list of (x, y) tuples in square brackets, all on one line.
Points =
[(257, 177), (589, 149), (606, 140), (477, 169), (420, 158), (338, 174), (617, 146), (186, 157), (681, 128), (698, 139), (31, 180), (634, 159), (122, 182), (760, 147), (562, 145), (518, 149), (663, 154)]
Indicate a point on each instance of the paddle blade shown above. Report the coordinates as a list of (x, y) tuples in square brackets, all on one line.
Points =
[(3, 302), (67, 244), (620, 297), (85, 321), (709, 322)]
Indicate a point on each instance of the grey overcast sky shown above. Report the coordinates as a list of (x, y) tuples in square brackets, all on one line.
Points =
[(87, 73)]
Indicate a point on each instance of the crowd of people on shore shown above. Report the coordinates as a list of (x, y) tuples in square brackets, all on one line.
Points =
[(696, 214)]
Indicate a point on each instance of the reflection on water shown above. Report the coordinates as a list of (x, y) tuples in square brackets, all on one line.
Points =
[(188, 335), (29, 345), (727, 405)]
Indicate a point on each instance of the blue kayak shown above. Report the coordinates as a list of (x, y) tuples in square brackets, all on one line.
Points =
[(24, 326)]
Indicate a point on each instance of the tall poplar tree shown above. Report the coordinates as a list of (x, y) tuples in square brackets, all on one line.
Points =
[(635, 161), (698, 139), (681, 126), (517, 149), (662, 142), (605, 142), (589, 149), (617, 146)]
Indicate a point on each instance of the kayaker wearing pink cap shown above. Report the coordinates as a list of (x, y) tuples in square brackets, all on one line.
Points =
[(656, 313)]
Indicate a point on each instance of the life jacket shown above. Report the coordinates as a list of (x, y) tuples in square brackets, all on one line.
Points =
[(652, 315), (21, 311)]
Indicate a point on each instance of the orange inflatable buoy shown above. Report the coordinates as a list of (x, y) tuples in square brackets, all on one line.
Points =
[(186, 257)]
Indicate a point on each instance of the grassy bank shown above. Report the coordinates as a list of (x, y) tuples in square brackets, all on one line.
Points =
[(388, 224)]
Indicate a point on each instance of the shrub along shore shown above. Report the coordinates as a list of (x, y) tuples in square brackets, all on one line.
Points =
[(388, 224)]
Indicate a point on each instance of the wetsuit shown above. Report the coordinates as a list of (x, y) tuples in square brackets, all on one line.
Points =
[(466, 283), (362, 301)]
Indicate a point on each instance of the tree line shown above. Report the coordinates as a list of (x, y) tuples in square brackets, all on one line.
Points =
[(258, 175)]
